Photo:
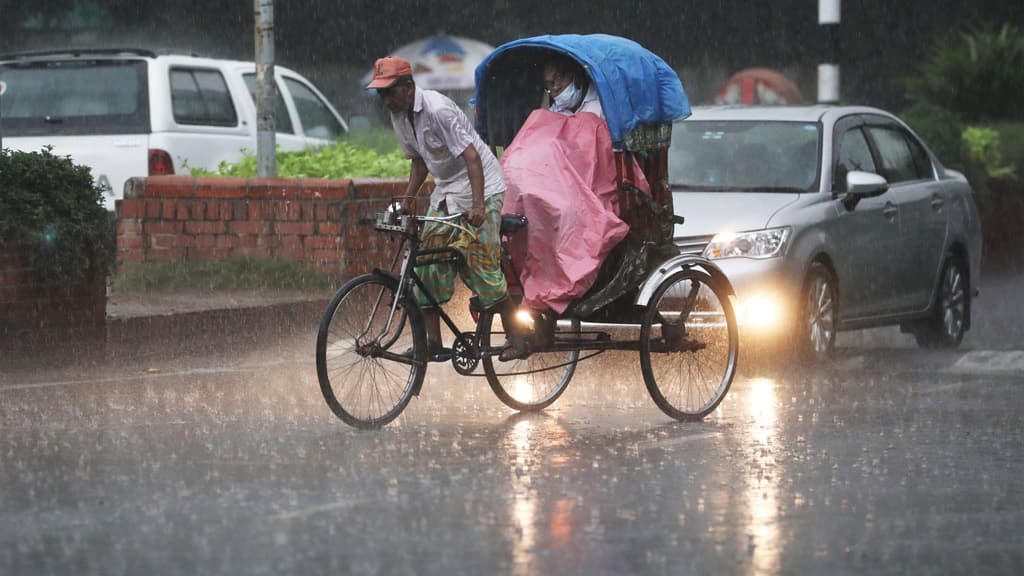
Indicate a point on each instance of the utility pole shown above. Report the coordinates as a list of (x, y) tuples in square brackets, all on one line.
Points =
[(828, 70), (3, 88), (266, 90)]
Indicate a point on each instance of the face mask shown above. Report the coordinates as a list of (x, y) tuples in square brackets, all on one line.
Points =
[(566, 98)]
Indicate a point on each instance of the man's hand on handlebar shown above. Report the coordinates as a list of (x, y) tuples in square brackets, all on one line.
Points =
[(475, 216), (409, 205)]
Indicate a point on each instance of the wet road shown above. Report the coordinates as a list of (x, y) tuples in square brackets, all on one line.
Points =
[(885, 462)]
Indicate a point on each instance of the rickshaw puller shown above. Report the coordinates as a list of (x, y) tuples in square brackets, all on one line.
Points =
[(437, 136)]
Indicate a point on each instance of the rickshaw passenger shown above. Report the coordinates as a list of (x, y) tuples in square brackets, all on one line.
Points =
[(561, 174), (437, 136), (570, 88)]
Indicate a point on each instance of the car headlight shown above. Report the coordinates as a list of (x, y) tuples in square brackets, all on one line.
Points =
[(758, 244)]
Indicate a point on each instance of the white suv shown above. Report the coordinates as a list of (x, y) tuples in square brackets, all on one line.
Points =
[(130, 113)]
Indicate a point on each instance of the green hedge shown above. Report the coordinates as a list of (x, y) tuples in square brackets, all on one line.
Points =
[(51, 209), (340, 160)]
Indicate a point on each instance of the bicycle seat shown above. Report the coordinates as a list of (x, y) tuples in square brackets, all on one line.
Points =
[(511, 223)]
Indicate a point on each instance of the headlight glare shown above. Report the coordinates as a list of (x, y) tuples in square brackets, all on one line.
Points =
[(757, 244)]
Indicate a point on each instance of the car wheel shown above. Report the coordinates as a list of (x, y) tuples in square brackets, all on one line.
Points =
[(819, 313), (951, 310)]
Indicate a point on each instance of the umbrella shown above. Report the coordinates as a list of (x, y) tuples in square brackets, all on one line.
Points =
[(442, 62), (758, 86)]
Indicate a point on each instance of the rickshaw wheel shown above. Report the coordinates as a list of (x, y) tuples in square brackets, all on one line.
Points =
[(689, 343), (364, 381), (531, 383)]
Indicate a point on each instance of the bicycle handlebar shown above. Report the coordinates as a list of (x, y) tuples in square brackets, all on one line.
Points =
[(396, 222), (450, 220)]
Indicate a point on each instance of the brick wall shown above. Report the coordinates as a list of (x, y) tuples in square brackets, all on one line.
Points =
[(312, 220), (37, 317)]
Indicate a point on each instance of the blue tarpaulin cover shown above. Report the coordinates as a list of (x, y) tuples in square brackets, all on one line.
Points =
[(636, 86)]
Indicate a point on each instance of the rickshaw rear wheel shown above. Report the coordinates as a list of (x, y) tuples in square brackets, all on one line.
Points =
[(531, 383), (364, 377), (689, 345)]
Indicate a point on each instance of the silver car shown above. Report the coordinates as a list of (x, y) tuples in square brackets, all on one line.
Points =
[(827, 218)]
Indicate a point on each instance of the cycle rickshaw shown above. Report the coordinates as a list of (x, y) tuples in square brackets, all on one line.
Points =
[(673, 308)]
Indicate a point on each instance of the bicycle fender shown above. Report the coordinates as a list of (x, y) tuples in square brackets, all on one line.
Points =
[(677, 264), (388, 273)]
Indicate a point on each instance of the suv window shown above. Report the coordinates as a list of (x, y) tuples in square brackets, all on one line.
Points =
[(901, 159), (317, 120), (200, 96), (854, 154), (282, 121), (69, 97)]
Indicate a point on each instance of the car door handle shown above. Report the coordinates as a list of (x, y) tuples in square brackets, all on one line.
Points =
[(938, 202), (890, 210)]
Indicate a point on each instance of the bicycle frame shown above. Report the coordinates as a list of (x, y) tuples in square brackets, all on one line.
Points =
[(412, 257)]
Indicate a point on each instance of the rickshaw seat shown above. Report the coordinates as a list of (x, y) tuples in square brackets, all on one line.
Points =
[(511, 223)]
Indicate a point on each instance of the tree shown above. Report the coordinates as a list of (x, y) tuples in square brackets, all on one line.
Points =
[(981, 77)]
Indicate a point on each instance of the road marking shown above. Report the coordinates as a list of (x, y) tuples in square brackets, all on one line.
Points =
[(649, 444), (990, 362), (147, 376), (975, 362), (314, 510)]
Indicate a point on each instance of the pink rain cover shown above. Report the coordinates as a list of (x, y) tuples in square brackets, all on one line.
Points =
[(560, 173)]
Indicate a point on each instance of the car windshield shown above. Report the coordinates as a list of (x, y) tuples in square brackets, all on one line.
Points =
[(744, 156), (67, 97)]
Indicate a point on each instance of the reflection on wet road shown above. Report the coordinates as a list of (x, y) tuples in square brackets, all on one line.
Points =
[(885, 462)]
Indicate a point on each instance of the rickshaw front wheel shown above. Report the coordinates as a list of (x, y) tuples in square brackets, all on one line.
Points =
[(363, 361)]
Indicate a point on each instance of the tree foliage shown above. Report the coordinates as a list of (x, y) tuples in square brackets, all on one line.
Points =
[(941, 128), (981, 77), (983, 146)]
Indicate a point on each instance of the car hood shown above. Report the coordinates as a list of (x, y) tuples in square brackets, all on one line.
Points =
[(709, 213)]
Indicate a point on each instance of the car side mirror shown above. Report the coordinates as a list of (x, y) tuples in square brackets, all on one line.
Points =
[(860, 185)]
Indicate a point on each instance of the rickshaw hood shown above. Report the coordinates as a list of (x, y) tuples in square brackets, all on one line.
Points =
[(636, 87)]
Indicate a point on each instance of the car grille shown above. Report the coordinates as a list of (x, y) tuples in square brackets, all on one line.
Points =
[(692, 244)]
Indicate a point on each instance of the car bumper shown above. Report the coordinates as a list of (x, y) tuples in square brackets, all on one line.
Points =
[(767, 294)]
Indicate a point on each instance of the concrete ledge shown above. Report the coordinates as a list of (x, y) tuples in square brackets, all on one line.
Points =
[(169, 336)]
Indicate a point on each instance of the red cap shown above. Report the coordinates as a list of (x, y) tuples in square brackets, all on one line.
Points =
[(388, 69)]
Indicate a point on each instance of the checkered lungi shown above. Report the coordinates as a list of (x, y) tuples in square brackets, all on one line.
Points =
[(482, 272)]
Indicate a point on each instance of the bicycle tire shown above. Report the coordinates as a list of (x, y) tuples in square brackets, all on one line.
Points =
[(532, 383), (362, 387)]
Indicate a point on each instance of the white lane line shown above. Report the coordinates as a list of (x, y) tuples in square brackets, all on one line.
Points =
[(314, 510), (990, 362), (978, 362), (144, 376), (649, 444)]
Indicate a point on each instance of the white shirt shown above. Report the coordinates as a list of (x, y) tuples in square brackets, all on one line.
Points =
[(442, 133), (592, 103)]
